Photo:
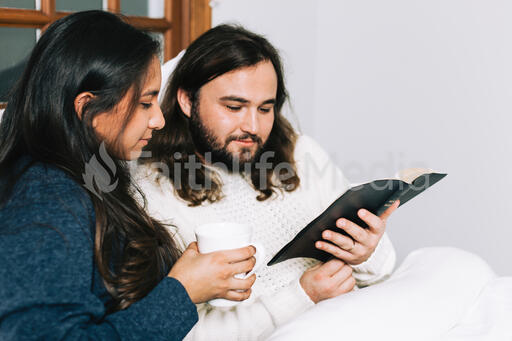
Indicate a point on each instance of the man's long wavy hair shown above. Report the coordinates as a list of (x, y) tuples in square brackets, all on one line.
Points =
[(220, 50), (94, 52)]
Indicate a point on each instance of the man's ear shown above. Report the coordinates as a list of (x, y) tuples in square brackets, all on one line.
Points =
[(80, 101), (184, 101)]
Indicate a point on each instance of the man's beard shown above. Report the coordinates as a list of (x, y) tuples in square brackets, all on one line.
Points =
[(215, 151)]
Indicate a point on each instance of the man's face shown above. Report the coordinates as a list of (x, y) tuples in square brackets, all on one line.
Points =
[(234, 114)]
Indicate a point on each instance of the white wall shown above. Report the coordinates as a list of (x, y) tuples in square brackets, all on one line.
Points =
[(288, 36), (384, 85)]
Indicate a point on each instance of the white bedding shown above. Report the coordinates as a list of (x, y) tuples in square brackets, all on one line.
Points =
[(436, 294), (490, 318)]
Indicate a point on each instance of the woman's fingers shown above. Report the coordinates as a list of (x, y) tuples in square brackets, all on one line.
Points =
[(235, 295), (238, 255), (242, 283), (243, 266)]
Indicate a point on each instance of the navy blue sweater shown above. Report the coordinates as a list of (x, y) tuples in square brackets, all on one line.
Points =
[(49, 285)]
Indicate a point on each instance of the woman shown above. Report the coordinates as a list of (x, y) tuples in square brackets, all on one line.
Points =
[(80, 257)]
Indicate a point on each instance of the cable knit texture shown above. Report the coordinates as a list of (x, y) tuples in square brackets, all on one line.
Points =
[(277, 295)]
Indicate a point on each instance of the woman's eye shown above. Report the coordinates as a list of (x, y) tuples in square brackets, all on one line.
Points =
[(265, 109), (146, 105), (232, 108)]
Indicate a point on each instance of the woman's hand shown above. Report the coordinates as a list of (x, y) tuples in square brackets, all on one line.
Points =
[(211, 275)]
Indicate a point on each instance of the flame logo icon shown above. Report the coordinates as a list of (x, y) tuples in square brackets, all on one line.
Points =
[(96, 174)]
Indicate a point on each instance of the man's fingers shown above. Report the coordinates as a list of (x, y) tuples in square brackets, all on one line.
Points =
[(346, 286), (332, 266), (384, 216), (314, 267), (375, 223), (343, 274), (344, 242), (334, 250), (357, 233), (193, 246)]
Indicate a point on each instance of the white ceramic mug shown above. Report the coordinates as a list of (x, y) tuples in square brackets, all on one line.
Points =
[(227, 236)]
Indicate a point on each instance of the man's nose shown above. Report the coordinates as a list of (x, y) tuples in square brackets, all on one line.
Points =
[(250, 123)]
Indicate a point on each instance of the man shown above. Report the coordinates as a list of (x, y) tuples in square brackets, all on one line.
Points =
[(227, 154)]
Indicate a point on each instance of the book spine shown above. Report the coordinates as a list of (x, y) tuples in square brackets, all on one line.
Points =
[(392, 198)]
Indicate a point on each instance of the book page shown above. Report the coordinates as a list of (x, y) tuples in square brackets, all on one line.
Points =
[(410, 174), (406, 175)]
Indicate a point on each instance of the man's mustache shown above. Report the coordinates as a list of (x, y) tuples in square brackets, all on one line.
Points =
[(253, 137)]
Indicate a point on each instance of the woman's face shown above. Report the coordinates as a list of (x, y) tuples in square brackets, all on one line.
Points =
[(147, 116)]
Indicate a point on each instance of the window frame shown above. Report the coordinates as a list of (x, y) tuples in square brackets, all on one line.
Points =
[(183, 21)]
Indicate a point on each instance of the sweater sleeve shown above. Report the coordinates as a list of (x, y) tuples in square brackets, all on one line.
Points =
[(379, 266), (331, 184), (47, 276)]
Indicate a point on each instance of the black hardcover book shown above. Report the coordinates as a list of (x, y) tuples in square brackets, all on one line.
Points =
[(375, 196)]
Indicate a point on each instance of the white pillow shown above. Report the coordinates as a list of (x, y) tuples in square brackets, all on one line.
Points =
[(167, 70)]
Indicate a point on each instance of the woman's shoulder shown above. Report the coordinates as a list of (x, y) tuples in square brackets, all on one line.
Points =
[(39, 173), (43, 180), (44, 192)]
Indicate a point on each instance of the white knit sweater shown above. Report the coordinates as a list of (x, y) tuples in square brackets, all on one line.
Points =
[(277, 295)]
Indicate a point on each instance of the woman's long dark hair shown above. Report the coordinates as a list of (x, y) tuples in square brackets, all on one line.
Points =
[(222, 49), (94, 52)]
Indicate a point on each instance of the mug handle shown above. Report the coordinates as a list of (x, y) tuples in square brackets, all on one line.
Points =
[(260, 256)]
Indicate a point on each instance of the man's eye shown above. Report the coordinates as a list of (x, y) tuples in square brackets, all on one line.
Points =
[(233, 108), (146, 105)]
